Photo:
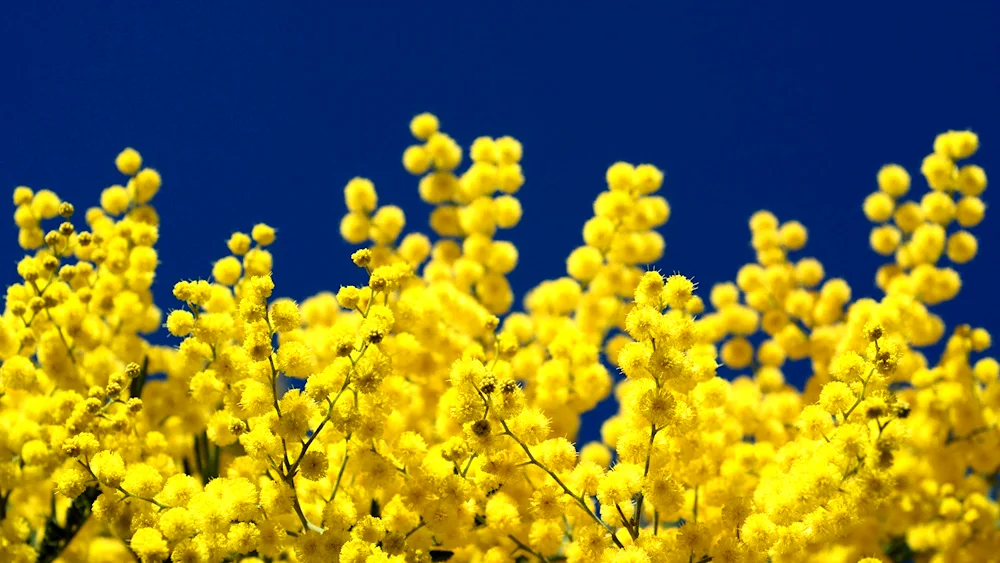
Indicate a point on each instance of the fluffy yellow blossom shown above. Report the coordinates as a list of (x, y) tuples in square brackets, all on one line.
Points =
[(415, 417)]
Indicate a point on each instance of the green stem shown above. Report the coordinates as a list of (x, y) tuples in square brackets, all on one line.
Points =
[(578, 499), (528, 549)]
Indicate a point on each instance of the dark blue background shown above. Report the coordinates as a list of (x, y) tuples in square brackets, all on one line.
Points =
[(254, 112)]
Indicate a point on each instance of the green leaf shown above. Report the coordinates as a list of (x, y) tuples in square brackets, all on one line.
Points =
[(137, 384), (3, 505), (57, 537), (441, 554), (206, 457), (898, 550)]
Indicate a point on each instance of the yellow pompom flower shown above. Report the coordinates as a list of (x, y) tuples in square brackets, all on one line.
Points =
[(45, 204), (149, 545), (425, 426), (360, 196), (621, 177), (424, 125), (677, 290), (115, 200), (938, 207), (956, 145), (145, 185), (878, 207), (508, 150), (142, 480), (809, 272), (227, 271), (285, 315), (354, 228), (793, 235), (737, 353), (295, 359), (885, 239), (962, 247), (239, 243), (894, 180), (647, 178), (262, 234), (387, 224), (17, 372), (971, 180), (507, 210), (416, 160), (23, 195), (108, 467), (969, 211), (128, 161)]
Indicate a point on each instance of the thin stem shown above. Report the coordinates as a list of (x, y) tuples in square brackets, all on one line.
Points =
[(306, 525), (340, 474), (414, 530), (695, 511), (625, 522), (468, 464), (637, 517), (274, 384), (119, 488), (559, 482), (319, 428), (528, 549), (861, 397)]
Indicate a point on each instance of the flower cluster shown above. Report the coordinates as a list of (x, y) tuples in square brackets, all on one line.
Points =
[(417, 419)]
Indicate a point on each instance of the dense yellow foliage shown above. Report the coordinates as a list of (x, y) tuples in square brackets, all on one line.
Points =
[(425, 428)]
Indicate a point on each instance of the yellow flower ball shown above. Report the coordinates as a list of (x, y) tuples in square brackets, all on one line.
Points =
[(416, 160), (971, 180), (145, 185), (507, 211), (763, 221), (793, 235), (115, 200), (360, 196), (962, 247), (956, 145), (483, 149), (23, 195), (878, 207), (424, 125), (128, 161), (227, 271), (939, 170), (938, 207), (17, 372), (969, 211), (239, 243), (894, 180), (908, 216), (508, 150), (149, 545), (180, 322), (737, 353), (354, 228), (621, 177), (584, 263), (884, 239), (45, 204), (262, 234)]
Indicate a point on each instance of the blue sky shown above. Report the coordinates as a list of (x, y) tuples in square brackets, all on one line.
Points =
[(254, 112)]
